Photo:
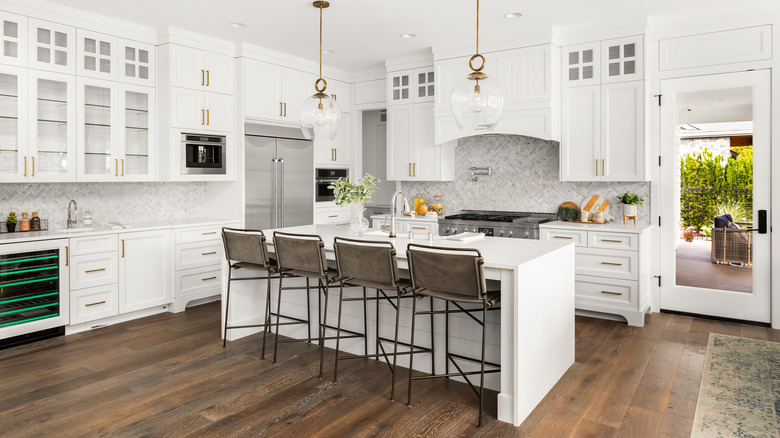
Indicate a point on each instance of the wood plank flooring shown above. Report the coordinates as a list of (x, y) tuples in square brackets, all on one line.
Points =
[(167, 375)]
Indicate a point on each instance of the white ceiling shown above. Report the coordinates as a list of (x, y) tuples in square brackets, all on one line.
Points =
[(363, 33)]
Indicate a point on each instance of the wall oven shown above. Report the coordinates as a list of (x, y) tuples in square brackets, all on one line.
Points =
[(323, 179), (203, 154)]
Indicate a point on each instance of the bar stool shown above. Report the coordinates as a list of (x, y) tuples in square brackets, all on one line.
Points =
[(373, 265), (247, 249), (303, 255), (463, 281)]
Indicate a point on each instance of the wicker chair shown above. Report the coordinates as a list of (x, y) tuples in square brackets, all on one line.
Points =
[(731, 243)]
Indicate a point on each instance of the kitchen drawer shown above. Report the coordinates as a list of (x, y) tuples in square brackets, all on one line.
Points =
[(199, 234), (418, 227), (92, 244), (608, 292), (601, 239), (606, 263), (195, 255), (94, 303), (198, 280), (331, 216), (580, 238), (93, 270)]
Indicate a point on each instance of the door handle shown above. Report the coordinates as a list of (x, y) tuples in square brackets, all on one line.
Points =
[(123, 248), (597, 167), (95, 304), (611, 293), (611, 264), (335, 154), (208, 117), (414, 169), (202, 77), (280, 109), (208, 253), (202, 116), (116, 167), (602, 167), (94, 270), (285, 109), (123, 167), (281, 193), (208, 80), (25, 165), (208, 278), (563, 237), (761, 221), (67, 255), (410, 169), (33, 167), (275, 212)]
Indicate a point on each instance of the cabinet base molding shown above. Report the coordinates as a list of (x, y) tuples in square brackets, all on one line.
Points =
[(632, 317), (105, 322)]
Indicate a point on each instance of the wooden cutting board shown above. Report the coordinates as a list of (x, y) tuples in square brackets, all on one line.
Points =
[(595, 203), (568, 211)]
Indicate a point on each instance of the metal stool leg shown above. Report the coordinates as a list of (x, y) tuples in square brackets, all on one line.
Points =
[(308, 308), (227, 306), (395, 343), (324, 324), (433, 352), (411, 352), (482, 369), (278, 312), (267, 322), (365, 324), (338, 332), (447, 339), (376, 335)]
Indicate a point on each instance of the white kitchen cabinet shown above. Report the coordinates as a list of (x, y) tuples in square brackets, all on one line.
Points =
[(419, 227), (275, 93), (411, 86), (200, 70), (137, 63), (581, 65), (14, 146), (144, 269), (337, 151), (370, 92), (97, 55), (51, 46), (13, 39), (341, 93), (331, 214), (412, 154), (94, 273), (94, 303), (198, 111), (138, 153), (611, 266), (52, 135), (603, 133), (622, 60)]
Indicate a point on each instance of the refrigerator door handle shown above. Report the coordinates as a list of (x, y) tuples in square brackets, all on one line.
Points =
[(275, 205), (281, 193)]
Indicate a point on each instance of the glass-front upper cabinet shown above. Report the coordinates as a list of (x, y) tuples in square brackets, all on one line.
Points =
[(137, 63), (51, 46), (98, 106), (13, 124), (13, 39), (52, 111), (97, 55), (137, 134)]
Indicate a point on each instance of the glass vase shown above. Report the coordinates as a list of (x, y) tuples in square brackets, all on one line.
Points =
[(359, 223)]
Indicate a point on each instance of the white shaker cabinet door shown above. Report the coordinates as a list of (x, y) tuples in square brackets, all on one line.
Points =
[(297, 86), (187, 70), (580, 65), (13, 39), (52, 46), (622, 131), (219, 73), (219, 112), (622, 59), (340, 92), (97, 55), (424, 156), (400, 138), (581, 136), (137, 65), (187, 109), (262, 91), (144, 270)]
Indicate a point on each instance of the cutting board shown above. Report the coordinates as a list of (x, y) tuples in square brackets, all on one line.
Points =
[(597, 203), (568, 211)]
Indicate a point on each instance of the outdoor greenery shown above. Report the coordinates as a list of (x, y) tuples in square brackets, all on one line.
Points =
[(346, 193), (711, 185)]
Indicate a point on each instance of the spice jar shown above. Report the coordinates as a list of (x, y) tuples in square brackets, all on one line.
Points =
[(24, 224), (418, 199), (437, 205), (35, 222)]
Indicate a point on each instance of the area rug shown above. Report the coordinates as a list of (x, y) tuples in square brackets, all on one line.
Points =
[(740, 389)]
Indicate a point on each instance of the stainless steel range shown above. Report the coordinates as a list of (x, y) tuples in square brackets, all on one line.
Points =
[(519, 225)]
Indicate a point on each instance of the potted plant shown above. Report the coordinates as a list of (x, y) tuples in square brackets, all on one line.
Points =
[(630, 203), (10, 223), (357, 195)]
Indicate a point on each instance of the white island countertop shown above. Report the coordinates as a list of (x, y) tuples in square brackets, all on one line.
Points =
[(613, 227), (403, 217), (533, 338)]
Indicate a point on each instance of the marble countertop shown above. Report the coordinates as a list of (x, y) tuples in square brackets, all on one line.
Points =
[(401, 217), (616, 226), (28, 236)]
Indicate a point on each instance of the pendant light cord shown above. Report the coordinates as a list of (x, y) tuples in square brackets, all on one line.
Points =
[(477, 27), (321, 39)]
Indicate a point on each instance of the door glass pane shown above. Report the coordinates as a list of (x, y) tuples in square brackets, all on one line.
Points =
[(136, 133), (715, 146), (9, 124), (97, 130), (52, 127)]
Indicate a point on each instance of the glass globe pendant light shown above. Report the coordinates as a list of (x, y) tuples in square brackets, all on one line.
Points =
[(320, 115), (477, 100)]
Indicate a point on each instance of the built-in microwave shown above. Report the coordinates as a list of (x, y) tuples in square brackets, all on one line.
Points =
[(324, 178), (203, 154)]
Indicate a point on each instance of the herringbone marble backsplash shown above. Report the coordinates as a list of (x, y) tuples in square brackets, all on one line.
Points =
[(109, 202), (525, 178)]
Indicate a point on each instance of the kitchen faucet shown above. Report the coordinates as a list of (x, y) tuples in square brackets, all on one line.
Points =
[(392, 212), (72, 219)]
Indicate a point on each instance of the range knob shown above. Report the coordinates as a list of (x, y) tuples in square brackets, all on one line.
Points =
[(446, 230), (500, 233), (526, 234), (509, 234)]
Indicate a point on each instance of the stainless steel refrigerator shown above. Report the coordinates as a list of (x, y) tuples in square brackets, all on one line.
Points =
[(279, 165)]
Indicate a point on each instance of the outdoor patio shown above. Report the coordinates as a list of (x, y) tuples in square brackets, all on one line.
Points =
[(695, 268)]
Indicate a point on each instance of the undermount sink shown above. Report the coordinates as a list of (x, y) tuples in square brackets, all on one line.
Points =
[(75, 230)]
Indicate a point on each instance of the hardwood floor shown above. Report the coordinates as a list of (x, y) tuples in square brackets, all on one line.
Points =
[(167, 375)]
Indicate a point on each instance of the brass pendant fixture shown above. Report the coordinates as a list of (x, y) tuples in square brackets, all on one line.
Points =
[(320, 115), (477, 100)]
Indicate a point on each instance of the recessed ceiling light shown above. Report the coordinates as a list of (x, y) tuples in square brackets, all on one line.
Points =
[(328, 52), (408, 35), (236, 24), (513, 15)]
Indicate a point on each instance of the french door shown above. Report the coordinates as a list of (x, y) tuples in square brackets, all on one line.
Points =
[(717, 272)]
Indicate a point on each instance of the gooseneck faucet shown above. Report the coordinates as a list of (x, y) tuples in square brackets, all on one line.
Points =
[(72, 219), (392, 212)]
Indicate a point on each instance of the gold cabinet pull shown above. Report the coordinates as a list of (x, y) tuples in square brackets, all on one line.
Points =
[(94, 270), (418, 228), (116, 167), (414, 171), (280, 109), (611, 240), (210, 232), (25, 165), (285, 109), (33, 167), (602, 167), (208, 278), (123, 167), (611, 293), (123, 248), (611, 264), (597, 167), (335, 215), (410, 169), (208, 253), (335, 154), (95, 304), (208, 117), (67, 255), (203, 116), (208, 80), (563, 237), (202, 77)]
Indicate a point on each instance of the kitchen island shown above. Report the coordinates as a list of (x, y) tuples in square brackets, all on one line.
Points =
[(532, 336)]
